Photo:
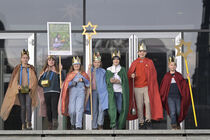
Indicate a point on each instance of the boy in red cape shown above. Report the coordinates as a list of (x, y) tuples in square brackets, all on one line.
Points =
[(143, 73), (175, 95)]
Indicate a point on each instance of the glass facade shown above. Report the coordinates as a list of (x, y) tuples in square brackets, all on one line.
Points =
[(146, 20)]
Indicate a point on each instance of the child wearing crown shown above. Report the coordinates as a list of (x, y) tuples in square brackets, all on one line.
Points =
[(50, 82), (143, 77), (174, 91), (73, 93), (118, 90), (21, 91), (99, 92)]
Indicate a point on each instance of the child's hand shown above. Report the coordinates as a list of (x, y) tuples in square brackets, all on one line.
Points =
[(89, 67), (80, 80), (112, 80), (188, 75), (117, 81), (133, 75)]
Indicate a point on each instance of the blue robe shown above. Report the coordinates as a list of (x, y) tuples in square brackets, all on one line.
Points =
[(101, 89)]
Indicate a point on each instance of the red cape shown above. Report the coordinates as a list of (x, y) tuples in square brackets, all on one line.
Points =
[(183, 89), (65, 92), (153, 90)]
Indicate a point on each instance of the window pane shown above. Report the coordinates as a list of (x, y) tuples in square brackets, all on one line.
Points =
[(34, 15)]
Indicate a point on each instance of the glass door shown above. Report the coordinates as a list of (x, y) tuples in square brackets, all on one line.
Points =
[(11, 45), (159, 47), (105, 43)]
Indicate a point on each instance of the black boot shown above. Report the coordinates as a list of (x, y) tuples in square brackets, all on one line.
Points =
[(141, 126), (148, 125), (55, 124)]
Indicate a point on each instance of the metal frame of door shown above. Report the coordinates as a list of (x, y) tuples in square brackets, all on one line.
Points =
[(133, 46), (31, 48)]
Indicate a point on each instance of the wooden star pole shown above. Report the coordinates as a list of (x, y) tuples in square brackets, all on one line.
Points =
[(179, 53), (60, 71), (89, 35)]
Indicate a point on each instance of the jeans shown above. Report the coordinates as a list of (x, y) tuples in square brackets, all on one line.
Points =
[(25, 104), (118, 101), (51, 100), (174, 104), (76, 106), (98, 113)]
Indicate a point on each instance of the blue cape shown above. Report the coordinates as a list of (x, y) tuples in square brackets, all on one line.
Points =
[(101, 89)]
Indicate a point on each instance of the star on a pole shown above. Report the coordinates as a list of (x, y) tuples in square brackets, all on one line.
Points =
[(179, 49), (85, 30)]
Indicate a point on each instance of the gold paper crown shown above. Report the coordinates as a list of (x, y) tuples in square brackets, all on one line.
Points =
[(24, 52), (96, 56), (142, 47), (116, 53), (76, 60), (171, 59), (51, 57)]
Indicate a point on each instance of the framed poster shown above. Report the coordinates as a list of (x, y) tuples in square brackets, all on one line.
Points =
[(59, 38)]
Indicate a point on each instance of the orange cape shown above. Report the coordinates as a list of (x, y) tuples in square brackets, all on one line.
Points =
[(65, 92)]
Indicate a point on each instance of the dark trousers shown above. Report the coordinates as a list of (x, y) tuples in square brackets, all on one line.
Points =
[(174, 104), (51, 100), (25, 104)]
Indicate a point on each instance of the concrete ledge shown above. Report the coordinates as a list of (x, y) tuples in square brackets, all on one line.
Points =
[(105, 134)]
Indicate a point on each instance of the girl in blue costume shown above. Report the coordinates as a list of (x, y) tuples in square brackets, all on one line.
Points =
[(99, 92), (74, 90)]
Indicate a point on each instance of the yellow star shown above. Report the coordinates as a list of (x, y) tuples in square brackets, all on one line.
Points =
[(91, 33), (179, 49)]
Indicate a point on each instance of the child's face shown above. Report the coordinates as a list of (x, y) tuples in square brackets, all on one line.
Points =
[(24, 59), (76, 66), (51, 62), (172, 66), (96, 63), (142, 54), (116, 61)]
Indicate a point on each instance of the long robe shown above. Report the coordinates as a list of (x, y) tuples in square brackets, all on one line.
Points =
[(153, 90), (183, 89), (125, 99), (65, 92), (11, 96), (101, 89)]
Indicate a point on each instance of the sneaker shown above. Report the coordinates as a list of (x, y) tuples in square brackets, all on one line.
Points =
[(174, 126), (73, 127), (23, 126), (100, 127), (28, 126), (78, 128)]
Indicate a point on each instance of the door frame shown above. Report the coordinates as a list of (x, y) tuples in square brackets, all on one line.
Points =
[(31, 48), (133, 46)]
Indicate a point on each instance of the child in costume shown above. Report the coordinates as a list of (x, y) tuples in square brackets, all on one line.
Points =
[(118, 90), (21, 91), (175, 94), (73, 93), (99, 92), (50, 82), (143, 75)]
